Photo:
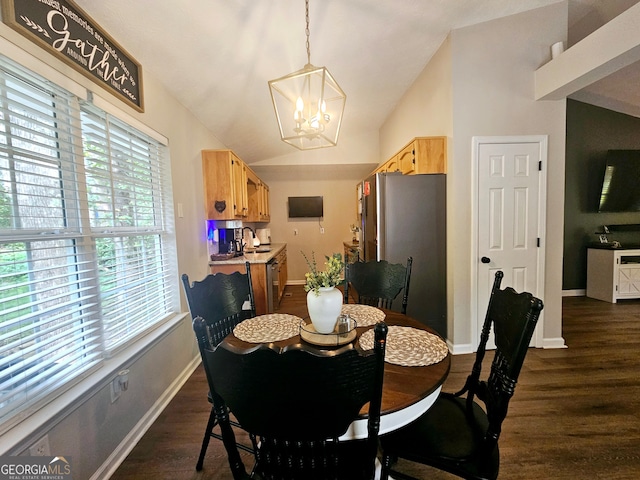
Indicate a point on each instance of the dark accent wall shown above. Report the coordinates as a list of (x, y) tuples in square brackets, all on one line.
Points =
[(591, 131)]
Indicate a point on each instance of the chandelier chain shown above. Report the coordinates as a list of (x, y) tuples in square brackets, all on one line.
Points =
[(306, 31)]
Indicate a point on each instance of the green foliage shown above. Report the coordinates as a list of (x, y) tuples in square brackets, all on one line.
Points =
[(327, 278), (5, 208), (13, 279)]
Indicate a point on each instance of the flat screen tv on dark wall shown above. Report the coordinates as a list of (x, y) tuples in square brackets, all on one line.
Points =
[(621, 182), (305, 207)]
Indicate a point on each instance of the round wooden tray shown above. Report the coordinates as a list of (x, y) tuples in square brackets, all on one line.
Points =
[(334, 339)]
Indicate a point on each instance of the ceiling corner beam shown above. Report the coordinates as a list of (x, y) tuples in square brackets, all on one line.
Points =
[(613, 46)]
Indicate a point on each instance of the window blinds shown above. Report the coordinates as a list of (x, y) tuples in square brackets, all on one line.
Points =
[(85, 262), (126, 176)]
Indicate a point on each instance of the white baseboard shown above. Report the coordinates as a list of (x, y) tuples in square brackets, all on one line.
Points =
[(468, 348), (554, 343), (574, 293), (460, 349), (118, 456)]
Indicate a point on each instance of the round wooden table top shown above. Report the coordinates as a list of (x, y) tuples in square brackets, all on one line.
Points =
[(407, 391)]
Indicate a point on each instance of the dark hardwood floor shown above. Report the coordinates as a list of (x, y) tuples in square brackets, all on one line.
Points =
[(575, 413)]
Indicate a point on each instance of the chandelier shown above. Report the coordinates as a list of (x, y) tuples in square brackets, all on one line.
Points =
[(309, 104)]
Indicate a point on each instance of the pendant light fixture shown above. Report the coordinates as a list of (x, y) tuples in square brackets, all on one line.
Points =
[(309, 104)]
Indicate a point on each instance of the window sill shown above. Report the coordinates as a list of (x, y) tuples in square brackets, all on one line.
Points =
[(17, 438)]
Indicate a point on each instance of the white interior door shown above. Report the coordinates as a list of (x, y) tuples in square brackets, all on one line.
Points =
[(509, 218)]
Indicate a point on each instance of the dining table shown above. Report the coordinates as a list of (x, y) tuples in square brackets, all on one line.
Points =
[(417, 359)]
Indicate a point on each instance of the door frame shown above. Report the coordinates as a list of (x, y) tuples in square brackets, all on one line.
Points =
[(543, 143)]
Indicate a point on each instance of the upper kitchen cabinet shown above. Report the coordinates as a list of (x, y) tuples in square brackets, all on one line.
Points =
[(420, 155), (264, 208), (240, 194), (258, 198), (232, 191), (424, 155)]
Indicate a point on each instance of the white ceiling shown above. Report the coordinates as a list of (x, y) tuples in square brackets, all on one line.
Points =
[(216, 56)]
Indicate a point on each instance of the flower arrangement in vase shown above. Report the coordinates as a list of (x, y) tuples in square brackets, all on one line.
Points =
[(324, 300)]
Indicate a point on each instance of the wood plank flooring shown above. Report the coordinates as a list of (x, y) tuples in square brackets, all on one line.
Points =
[(575, 413)]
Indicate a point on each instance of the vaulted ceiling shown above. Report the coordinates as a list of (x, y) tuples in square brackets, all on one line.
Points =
[(216, 56)]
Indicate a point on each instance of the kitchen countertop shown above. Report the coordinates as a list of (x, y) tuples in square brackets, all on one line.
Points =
[(250, 257)]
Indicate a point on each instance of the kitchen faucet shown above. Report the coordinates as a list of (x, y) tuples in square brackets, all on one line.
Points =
[(253, 235)]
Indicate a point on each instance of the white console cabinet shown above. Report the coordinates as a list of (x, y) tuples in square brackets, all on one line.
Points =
[(613, 274)]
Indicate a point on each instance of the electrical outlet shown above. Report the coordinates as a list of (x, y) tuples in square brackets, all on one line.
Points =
[(119, 384), (295, 231), (40, 448), (115, 390), (321, 230)]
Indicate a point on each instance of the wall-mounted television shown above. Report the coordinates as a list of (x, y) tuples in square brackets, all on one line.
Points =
[(620, 190), (305, 207)]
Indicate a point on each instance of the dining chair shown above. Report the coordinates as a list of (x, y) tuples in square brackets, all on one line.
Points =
[(296, 404), (378, 283), (456, 434), (222, 301)]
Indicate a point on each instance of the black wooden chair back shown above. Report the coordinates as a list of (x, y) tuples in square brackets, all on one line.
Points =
[(378, 283), (513, 317), (456, 434), (221, 301), (296, 404)]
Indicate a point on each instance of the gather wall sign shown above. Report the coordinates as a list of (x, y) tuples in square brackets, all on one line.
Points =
[(65, 30)]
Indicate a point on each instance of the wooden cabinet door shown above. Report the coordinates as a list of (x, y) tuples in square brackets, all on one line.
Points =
[(254, 196), (430, 154), (392, 165), (265, 213), (217, 179), (239, 174), (232, 190), (406, 159)]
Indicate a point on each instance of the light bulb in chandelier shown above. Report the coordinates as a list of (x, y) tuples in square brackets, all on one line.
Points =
[(298, 116), (315, 124), (324, 116)]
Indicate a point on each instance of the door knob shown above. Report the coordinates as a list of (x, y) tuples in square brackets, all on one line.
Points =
[(485, 259)]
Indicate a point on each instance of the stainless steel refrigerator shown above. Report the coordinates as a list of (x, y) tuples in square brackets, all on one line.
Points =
[(405, 216)]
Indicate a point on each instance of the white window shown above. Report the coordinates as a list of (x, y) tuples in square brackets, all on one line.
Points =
[(86, 263)]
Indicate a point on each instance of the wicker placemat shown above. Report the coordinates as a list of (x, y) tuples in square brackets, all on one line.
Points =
[(268, 328), (409, 347), (364, 315)]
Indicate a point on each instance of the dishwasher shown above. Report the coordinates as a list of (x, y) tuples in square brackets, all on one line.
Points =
[(272, 284)]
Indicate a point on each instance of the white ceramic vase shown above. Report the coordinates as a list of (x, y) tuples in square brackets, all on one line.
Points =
[(324, 308)]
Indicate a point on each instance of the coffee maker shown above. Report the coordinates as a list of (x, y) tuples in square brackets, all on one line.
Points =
[(228, 242)]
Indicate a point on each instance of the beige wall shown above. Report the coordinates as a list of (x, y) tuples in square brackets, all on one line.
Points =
[(489, 70), (426, 107), (493, 72), (337, 185), (331, 172)]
